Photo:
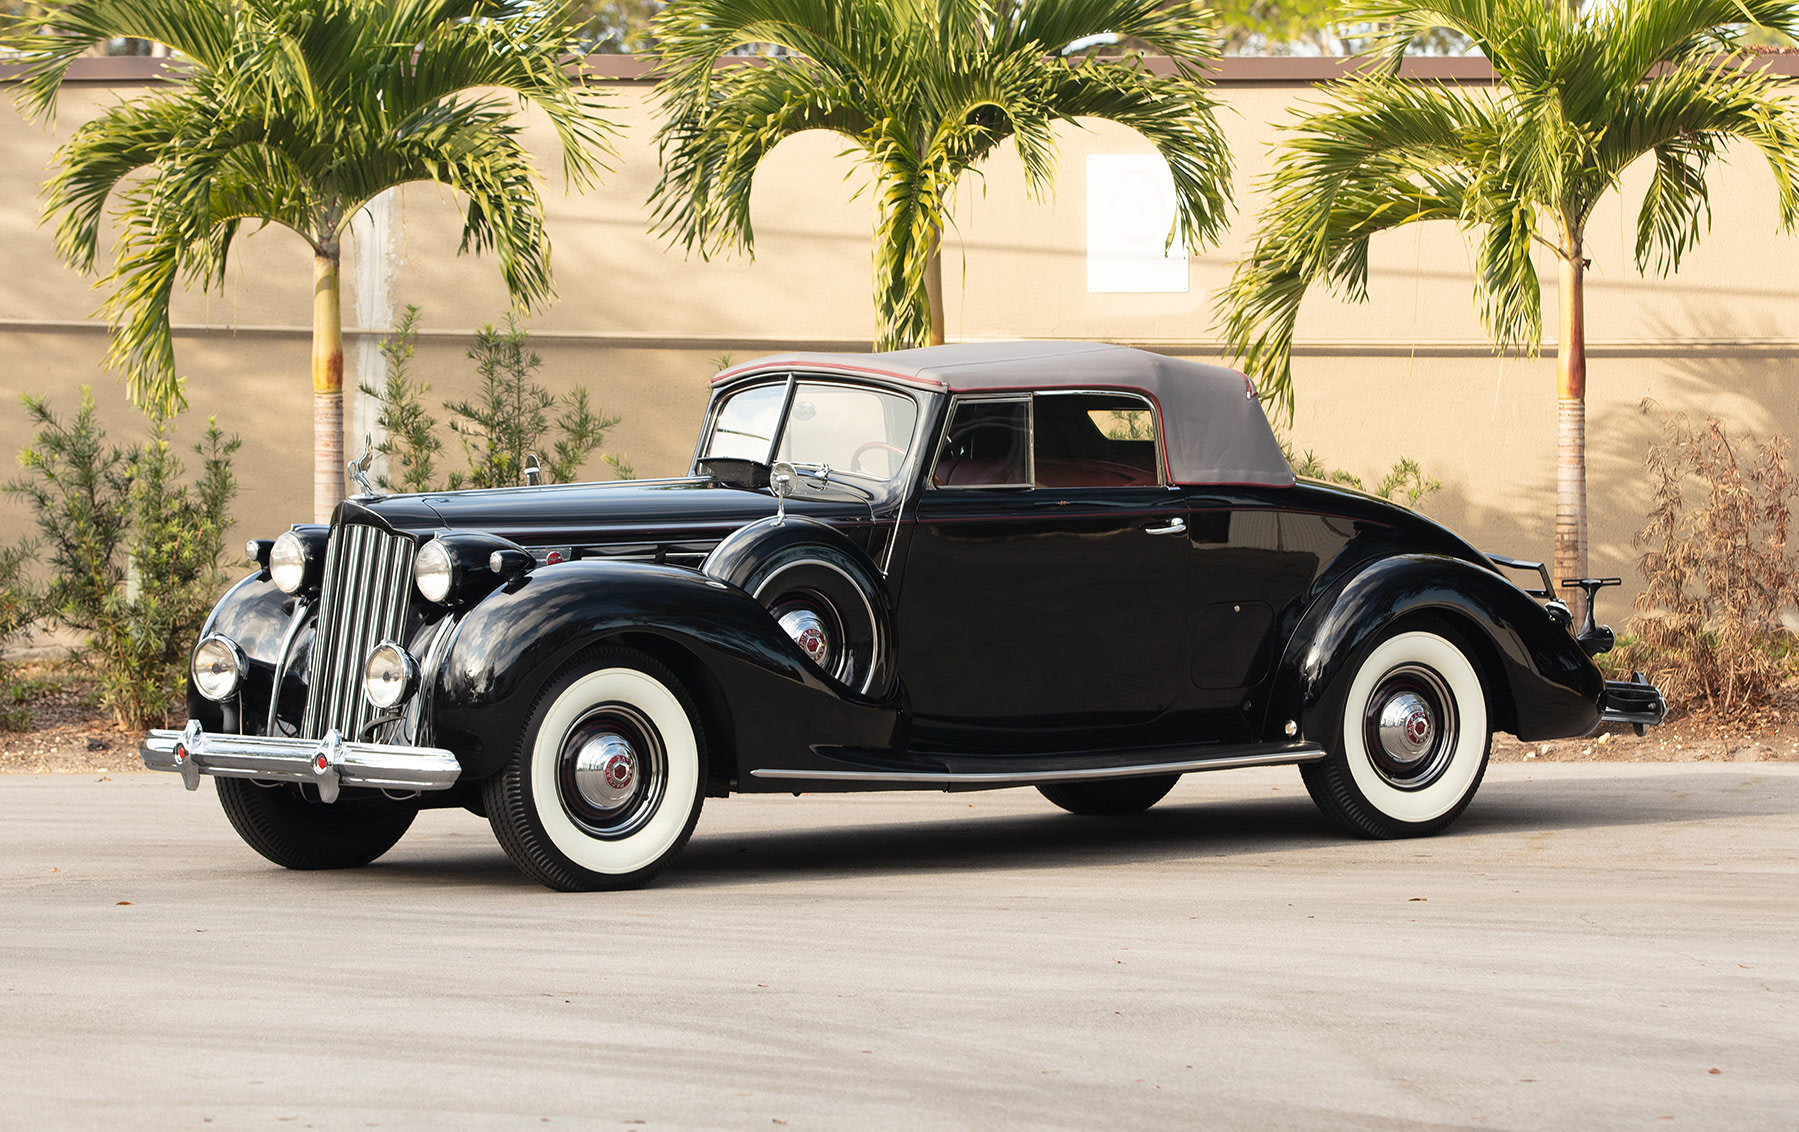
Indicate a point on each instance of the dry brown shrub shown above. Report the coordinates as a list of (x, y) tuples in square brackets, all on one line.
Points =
[(1711, 627)]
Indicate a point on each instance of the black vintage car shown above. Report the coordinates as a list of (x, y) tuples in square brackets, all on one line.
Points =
[(1077, 567)]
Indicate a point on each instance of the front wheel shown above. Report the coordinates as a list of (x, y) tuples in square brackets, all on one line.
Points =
[(606, 784), (277, 820), (1411, 743)]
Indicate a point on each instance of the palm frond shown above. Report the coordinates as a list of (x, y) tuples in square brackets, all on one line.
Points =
[(200, 31), (102, 153), (925, 89), (710, 156), (1379, 155), (298, 113), (1175, 116)]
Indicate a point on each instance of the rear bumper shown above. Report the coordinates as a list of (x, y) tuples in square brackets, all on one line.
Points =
[(1632, 701), (328, 763)]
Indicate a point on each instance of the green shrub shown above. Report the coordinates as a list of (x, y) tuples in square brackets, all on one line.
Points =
[(509, 420), (1405, 482), (18, 609), (409, 431), (134, 550)]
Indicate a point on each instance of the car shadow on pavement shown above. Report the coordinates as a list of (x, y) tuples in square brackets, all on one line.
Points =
[(1180, 830), (943, 838)]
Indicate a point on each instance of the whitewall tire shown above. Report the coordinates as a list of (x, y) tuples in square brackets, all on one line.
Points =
[(606, 785), (1410, 741)]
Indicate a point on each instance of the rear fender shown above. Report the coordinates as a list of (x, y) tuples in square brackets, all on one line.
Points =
[(1540, 684), (776, 705)]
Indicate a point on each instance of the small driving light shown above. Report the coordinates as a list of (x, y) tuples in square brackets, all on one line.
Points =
[(287, 563), (218, 668), (390, 676), (514, 564), (432, 572)]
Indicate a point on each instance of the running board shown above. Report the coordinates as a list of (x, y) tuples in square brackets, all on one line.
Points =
[(1029, 770)]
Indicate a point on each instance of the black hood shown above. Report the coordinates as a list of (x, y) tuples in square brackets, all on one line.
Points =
[(630, 512)]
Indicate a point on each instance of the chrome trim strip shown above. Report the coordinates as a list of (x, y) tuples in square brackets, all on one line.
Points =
[(1303, 753), (302, 609), (1646, 718), (420, 712), (192, 753)]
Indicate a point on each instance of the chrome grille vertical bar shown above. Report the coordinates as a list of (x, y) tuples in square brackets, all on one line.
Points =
[(364, 598), (317, 681), (354, 619), (357, 710)]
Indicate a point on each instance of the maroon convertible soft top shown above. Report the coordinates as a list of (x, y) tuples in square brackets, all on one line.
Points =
[(1213, 427)]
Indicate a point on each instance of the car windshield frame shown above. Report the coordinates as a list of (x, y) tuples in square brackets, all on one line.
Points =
[(876, 489)]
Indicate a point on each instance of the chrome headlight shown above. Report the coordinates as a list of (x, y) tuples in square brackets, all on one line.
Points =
[(390, 677), (433, 572), (219, 668), (289, 563)]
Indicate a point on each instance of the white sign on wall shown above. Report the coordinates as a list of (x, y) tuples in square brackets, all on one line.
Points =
[(1130, 209)]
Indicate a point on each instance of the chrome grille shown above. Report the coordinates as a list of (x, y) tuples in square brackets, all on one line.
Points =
[(362, 602)]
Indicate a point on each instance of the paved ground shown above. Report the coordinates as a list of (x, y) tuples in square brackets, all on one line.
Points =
[(1615, 946)]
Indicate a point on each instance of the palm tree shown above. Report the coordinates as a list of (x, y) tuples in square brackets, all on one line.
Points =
[(299, 113), (1581, 96), (924, 89)]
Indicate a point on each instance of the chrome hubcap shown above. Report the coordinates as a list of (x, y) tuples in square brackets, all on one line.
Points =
[(1410, 727), (1406, 727), (811, 633), (605, 770), (611, 771)]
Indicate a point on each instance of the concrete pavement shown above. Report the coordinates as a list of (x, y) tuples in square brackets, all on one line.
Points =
[(1592, 944)]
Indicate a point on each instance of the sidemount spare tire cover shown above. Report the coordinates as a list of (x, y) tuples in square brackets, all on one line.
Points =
[(822, 589)]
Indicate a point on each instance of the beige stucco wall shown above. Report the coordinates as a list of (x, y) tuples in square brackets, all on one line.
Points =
[(1408, 373)]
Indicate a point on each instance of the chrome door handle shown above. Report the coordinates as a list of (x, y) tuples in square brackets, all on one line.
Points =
[(1174, 527)]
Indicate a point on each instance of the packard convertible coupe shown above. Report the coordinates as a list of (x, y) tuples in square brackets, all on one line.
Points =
[(1077, 567)]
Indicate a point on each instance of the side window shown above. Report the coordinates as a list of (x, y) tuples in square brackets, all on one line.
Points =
[(1095, 440), (988, 444)]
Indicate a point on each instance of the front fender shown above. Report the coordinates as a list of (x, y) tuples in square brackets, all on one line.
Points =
[(759, 696), (255, 614), (1541, 684)]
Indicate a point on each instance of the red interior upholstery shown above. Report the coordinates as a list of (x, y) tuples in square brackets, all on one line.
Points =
[(1092, 473), (957, 472)]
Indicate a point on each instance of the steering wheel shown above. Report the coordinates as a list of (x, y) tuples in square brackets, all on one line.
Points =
[(856, 456)]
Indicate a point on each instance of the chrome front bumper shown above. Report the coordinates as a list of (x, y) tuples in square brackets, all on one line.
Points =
[(327, 763)]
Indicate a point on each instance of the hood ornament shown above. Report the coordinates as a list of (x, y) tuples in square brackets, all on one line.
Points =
[(358, 469)]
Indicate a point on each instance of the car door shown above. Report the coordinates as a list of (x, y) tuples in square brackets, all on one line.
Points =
[(1043, 601)]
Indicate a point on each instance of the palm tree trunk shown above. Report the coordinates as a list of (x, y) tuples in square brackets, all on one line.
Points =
[(933, 290), (1571, 433), (327, 383)]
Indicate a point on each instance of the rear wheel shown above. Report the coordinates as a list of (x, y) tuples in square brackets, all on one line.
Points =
[(280, 822), (1411, 740), (607, 781), (1110, 797)]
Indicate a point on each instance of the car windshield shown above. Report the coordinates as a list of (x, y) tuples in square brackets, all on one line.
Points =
[(859, 431), (746, 423)]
